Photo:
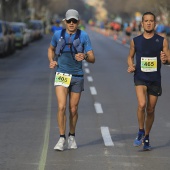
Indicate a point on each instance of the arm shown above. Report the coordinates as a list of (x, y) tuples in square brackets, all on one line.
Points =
[(51, 56), (165, 54), (89, 56), (130, 60)]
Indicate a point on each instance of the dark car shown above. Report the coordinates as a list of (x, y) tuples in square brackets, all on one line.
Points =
[(18, 32), (2, 41), (6, 39)]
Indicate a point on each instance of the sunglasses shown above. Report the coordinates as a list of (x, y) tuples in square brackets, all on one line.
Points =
[(74, 21)]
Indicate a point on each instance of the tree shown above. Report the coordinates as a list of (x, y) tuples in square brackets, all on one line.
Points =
[(162, 9), (129, 7)]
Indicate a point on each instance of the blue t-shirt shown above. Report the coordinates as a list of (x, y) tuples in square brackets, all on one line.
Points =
[(55, 28), (66, 61), (160, 28), (148, 48)]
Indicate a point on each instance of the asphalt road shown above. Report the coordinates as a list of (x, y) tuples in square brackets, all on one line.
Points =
[(107, 122)]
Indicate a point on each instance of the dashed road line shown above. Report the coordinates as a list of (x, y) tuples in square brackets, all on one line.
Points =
[(85, 64), (87, 70), (93, 90), (106, 136), (98, 108), (90, 78)]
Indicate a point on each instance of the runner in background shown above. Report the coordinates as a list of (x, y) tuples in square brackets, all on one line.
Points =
[(128, 32), (56, 26)]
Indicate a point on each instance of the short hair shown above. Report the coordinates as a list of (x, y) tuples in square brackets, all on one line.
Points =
[(149, 13)]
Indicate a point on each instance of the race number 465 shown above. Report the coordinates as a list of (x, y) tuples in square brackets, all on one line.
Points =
[(148, 64)]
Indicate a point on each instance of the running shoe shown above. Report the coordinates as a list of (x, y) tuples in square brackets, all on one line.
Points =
[(61, 144), (146, 144), (72, 142), (139, 139)]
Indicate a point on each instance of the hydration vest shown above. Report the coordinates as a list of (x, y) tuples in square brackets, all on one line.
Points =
[(76, 44)]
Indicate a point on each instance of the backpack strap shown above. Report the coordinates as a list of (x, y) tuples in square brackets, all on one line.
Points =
[(78, 32), (63, 33), (61, 43)]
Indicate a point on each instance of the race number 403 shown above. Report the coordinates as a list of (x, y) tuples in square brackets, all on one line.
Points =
[(62, 79)]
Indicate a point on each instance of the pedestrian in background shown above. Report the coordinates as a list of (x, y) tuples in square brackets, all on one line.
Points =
[(56, 26), (151, 50), (72, 47), (128, 32)]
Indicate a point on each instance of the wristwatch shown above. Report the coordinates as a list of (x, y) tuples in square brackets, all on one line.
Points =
[(85, 57)]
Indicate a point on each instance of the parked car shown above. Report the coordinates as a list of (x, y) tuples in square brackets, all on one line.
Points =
[(2, 43), (18, 35), (11, 36), (24, 31), (6, 38), (38, 27)]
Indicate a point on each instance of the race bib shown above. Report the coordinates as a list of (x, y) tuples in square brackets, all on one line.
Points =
[(62, 79), (148, 64)]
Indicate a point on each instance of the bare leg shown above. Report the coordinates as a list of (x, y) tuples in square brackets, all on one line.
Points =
[(73, 108), (141, 92), (61, 93), (152, 100)]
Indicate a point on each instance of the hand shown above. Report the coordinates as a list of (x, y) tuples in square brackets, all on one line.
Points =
[(131, 69), (79, 56), (163, 57), (53, 64)]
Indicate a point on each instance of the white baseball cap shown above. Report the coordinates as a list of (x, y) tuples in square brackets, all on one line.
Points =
[(72, 13)]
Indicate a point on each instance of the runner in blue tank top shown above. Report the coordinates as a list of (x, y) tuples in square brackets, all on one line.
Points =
[(150, 51), (69, 80)]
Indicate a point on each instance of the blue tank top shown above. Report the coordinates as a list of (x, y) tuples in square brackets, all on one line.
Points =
[(148, 48)]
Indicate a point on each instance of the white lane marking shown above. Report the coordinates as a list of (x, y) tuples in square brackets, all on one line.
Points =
[(98, 107), (93, 90), (106, 136), (43, 158), (90, 78), (87, 70), (85, 64)]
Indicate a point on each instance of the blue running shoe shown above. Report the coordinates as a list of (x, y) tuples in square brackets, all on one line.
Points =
[(146, 146), (139, 139)]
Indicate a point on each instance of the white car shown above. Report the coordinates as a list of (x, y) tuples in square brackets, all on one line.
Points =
[(25, 32), (38, 27)]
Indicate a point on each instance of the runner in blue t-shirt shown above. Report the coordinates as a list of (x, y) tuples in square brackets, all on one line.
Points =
[(71, 50), (56, 26), (151, 50)]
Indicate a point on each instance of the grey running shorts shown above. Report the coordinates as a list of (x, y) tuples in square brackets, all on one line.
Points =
[(153, 88), (76, 84)]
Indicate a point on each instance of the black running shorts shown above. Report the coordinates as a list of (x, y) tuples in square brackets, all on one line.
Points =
[(153, 88)]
